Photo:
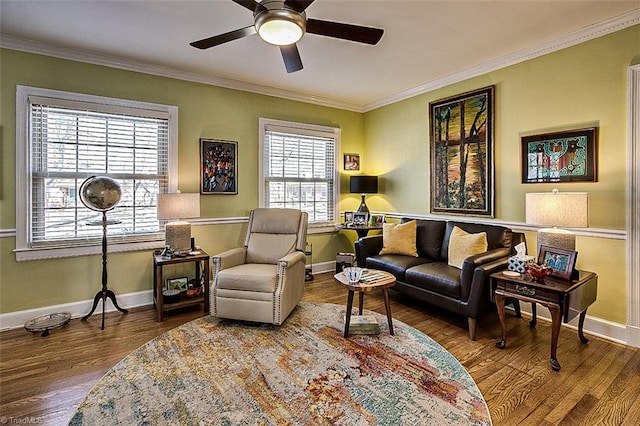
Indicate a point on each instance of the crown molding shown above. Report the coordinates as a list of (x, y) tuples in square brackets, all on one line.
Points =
[(580, 36), (36, 47), (577, 37)]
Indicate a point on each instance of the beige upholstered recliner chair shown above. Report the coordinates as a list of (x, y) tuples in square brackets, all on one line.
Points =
[(264, 280)]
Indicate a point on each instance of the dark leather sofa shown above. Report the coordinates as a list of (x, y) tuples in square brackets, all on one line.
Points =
[(429, 278)]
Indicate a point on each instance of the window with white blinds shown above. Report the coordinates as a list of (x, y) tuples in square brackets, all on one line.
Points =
[(70, 137), (298, 168)]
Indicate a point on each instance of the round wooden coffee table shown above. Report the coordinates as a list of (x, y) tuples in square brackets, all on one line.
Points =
[(372, 279)]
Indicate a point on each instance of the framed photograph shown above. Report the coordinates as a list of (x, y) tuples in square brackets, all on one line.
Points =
[(176, 283), (462, 153), (568, 156), (348, 217), (218, 162), (360, 219), (560, 260), (376, 220), (351, 162)]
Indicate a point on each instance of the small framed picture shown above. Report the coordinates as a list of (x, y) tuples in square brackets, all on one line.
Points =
[(351, 162), (376, 220), (348, 217), (176, 283), (560, 260), (360, 219)]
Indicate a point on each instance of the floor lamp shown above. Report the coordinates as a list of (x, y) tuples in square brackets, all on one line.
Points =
[(557, 209)]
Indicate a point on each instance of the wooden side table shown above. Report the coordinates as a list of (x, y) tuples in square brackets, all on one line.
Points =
[(158, 282), (564, 299), (382, 282)]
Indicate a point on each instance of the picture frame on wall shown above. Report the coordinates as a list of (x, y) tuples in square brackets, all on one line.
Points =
[(462, 153), (351, 162), (566, 156), (219, 167), (561, 261)]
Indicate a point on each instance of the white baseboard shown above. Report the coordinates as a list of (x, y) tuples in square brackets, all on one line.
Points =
[(608, 330), (595, 326), (79, 309)]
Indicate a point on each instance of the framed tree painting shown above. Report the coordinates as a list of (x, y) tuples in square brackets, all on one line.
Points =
[(462, 162), (218, 163)]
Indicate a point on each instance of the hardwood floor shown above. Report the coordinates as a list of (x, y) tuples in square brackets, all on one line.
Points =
[(43, 379)]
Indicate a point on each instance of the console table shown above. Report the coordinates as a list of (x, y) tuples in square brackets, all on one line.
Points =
[(158, 282), (564, 299)]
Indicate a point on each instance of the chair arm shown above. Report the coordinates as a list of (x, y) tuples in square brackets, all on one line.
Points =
[(291, 259), (229, 259), (367, 246)]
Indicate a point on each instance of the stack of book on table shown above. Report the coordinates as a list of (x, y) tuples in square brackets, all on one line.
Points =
[(363, 324)]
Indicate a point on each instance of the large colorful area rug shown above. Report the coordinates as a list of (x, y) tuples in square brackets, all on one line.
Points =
[(221, 372)]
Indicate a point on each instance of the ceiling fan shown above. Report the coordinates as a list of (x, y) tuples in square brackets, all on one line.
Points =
[(283, 23)]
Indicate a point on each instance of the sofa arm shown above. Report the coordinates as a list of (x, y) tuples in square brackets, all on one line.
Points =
[(367, 246), (476, 269)]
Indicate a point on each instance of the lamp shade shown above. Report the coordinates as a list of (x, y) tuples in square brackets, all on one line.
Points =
[(559, 209), (363, 184), (178, 206)]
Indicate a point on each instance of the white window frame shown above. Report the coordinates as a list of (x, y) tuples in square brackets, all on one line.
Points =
[(23, 250), (302, 129)]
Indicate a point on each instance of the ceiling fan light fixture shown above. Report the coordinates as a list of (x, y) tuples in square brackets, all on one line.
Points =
[(280, 27)]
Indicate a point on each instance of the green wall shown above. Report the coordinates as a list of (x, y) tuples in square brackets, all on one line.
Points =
[(578, 86), (585, 85), (204, 111)]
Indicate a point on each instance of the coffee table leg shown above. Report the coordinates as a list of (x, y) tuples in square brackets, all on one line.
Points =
[(387, 306), (361, 300), (503, 327), (348, 314)]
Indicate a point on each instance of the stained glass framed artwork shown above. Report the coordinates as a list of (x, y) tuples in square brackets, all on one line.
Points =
[(567, 156)]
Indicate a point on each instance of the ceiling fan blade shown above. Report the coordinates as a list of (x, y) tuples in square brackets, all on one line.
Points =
[(223, 38), (360, 34), (248, 4), (291, 56), (298, 5)]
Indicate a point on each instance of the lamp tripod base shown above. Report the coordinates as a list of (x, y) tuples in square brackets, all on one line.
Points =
[(103, 295)]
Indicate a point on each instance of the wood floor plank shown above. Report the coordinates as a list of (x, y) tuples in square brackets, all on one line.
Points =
[(44, 379)]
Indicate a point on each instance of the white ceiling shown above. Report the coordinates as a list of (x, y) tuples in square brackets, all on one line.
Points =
[(426, 42)]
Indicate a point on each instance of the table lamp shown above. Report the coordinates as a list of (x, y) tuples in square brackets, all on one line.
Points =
[(363, 185), (178, 206), (565, 209)]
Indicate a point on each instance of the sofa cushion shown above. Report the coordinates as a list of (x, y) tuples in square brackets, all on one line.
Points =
[(463, 244), (399, 238), (437, 277), (395, 264), (429, 236)]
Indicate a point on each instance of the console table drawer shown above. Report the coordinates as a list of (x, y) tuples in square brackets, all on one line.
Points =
[(518, 289)]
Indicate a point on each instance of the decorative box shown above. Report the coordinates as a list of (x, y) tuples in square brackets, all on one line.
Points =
[(517, 265)]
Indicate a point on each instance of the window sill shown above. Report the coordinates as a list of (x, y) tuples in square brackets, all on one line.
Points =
[(24, 255)]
